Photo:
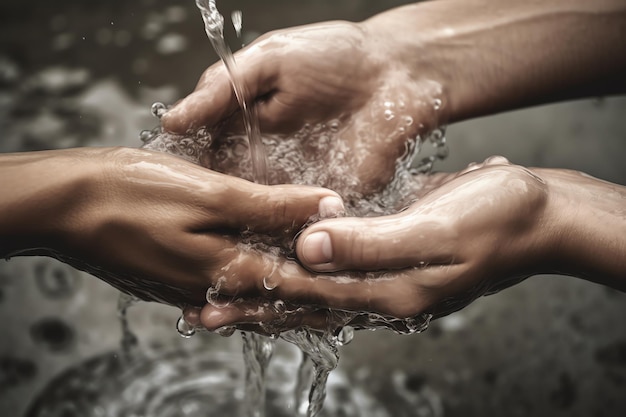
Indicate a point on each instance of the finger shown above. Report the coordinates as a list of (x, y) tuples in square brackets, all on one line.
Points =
[(402, 293), (264, 317), (214, 98), (191, 314), (402, 240), (275, 208)]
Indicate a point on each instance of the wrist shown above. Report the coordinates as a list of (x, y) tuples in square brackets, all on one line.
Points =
[(587, 229), (493, 56)]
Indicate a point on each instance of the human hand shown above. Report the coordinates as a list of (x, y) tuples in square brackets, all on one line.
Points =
[(474, 232), (336, 74), (152, 224)]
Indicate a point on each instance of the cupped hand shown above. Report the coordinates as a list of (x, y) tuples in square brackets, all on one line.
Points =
[(474, 232), (336, 77), (164, 229)]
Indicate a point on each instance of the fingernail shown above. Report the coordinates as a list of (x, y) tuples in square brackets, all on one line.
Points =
[(330, 206), (317, 249)]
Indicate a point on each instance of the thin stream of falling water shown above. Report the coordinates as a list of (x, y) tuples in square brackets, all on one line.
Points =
[(214, 28), (257, 350), (129, 340)]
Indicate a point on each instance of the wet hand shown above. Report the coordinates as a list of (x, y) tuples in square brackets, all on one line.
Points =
[(335, 74), (474, 232), (164, 229)]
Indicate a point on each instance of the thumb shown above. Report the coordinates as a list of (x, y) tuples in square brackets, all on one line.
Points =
[(389, 242), (214, 98)]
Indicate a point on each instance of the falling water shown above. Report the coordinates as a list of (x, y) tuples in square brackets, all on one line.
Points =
[(290, 163), (214, 28)]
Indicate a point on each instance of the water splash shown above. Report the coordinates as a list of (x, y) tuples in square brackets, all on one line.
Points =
[(315, 155)]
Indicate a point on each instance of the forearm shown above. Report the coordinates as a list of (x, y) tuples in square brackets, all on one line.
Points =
[(492, 56), (586, 222), (38, 190)]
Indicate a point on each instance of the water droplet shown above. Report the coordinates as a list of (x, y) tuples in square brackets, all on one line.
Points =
[(269, 284), (279, 307), (389, 114), (345, 336), (146, 135), (237, 19), (213, 297), (333, 125), (158, 109), (184, 329), (408, 120), (437, 103), (226, 331)]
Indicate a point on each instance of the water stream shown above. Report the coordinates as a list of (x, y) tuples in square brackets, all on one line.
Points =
[(290, 163)]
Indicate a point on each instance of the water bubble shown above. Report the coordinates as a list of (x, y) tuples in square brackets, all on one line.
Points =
[(158, 109), (184, 329), (408, 120), (345, 336), (389, 114), (437, 104)]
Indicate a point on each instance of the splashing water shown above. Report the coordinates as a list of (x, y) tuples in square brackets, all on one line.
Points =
[(313, 156)]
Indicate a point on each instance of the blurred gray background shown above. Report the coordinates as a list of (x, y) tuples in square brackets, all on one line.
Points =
[(84, 73)]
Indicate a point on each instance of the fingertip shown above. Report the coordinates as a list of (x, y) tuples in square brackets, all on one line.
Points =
[(192, 315), (178, 118), (331, 206), (213, 318)]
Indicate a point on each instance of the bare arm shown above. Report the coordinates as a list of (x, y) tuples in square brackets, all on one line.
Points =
[(146, 222), (493, 56)]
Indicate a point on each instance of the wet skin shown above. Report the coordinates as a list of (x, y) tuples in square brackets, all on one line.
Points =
[(148, 223), (474, 232)]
